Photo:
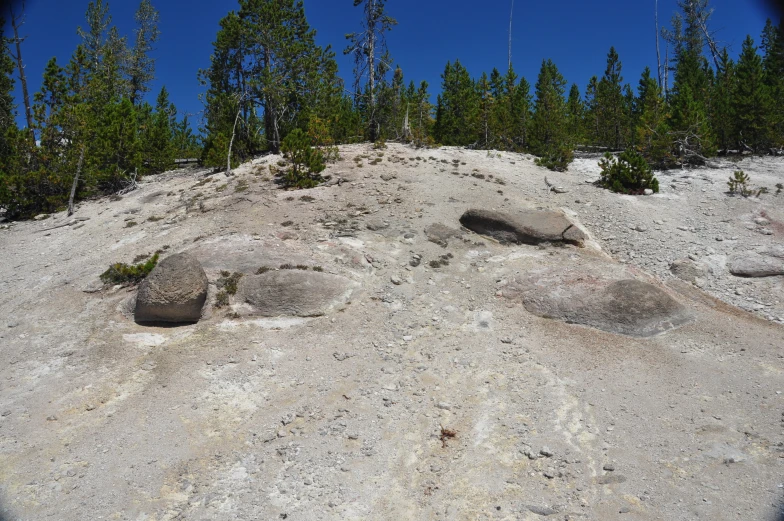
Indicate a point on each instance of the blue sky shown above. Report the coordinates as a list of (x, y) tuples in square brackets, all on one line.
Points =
[(575, 34)]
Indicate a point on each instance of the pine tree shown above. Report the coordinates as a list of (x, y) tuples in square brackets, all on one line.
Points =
[(265, 65), (486, 109), (652, 137), (592, 116), (610, 104), (773, 65), (723, 114), (549, 136), (7, 108), (752, 104), (522, 103), (575, 113), (141, 67), (158, 143), (457, 108)]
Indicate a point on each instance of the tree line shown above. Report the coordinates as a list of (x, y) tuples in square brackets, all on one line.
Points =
[(268, 78)]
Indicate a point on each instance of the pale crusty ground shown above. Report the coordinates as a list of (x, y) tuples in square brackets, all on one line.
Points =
[(339, 417)]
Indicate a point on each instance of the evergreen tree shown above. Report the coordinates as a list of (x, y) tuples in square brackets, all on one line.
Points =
[(265, 58), (159, 142), (549, 136), (652, 137), (773, 65), (575, 113), (7, 109), (610, 104), (522, 103), (723, 114), (752, 104), (592, 116), (457, 108), (486, 110), (141, 67)]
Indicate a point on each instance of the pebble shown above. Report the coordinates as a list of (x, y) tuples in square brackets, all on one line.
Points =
[(396, 280), (546, 452), (609, 467)]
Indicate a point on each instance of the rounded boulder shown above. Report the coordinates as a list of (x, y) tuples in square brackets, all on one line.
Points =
[(174, 292)]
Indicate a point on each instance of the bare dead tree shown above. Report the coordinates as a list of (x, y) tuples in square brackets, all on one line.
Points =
[(658, 53), (240, 102), (511, 13), (75, 182), (16, 23)]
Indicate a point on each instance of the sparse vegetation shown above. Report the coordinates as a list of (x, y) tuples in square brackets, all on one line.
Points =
[(124, 274), (221, 299), (229, 282), (263, 270), (306, 162), (628, 173), (739, 184), (131, 224)]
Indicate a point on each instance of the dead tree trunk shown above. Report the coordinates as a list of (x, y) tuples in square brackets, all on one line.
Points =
[(510, 36), (658, 53), (16, 23), (233, 133), (75, 183)]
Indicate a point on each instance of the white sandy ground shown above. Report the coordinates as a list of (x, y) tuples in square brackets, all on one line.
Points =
[(339, 417)]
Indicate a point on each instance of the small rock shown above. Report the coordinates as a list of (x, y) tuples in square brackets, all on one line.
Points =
[(609, 467), (648, 191), (396, 280), (546, 452), (641, 228)]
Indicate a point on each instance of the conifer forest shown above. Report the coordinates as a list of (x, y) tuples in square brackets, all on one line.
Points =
[(95, 128)]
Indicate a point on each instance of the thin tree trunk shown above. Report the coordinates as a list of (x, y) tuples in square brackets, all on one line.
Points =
[(20, 65), (510, 36), (75, 182), (658, 53), (233, 133)]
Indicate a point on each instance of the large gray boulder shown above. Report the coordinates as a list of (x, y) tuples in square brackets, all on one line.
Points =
[(292, 293), (768, 264), (690, 271), (174, 292), (605, 297), (524, 226)]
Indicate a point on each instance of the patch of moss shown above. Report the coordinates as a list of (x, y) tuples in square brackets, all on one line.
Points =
[(263, 270), (287, 267), (221, 188), (131, 224), (154, 219), (318, 269), (121, 273)]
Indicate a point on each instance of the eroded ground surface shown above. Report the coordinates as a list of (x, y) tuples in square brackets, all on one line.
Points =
[(432, 394)]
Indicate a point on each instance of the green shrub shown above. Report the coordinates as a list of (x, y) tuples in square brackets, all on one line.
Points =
[(628, 173), (122, 273), (221, 299), (306, 162), (739, 184), (557, 159), (228, 283)]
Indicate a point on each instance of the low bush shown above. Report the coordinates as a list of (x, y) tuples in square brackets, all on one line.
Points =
[(306, 162), (125, 274), (628, 173), (739, 184), (557, 159)]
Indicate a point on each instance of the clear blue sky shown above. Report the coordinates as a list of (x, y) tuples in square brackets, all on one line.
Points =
[(575, 34)]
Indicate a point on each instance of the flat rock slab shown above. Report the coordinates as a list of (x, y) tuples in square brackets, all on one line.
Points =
[(292, 293), (524, 226), (606, 298), (173, 292), (755, 265), (689, 271), (440, 234)]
